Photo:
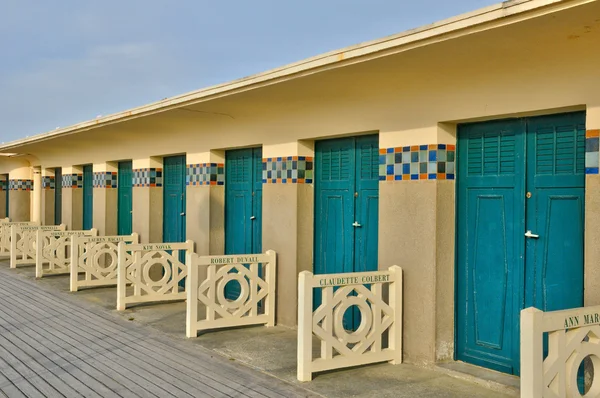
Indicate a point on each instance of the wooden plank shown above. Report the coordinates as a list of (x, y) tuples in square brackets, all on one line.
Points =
[(65, 359), (104, 368), (85, 335)]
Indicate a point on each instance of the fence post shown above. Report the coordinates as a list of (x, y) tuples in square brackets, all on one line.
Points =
[(395, 299), (191, 289), (271, 278), (136, 238), (13, 246), (74, 263), (121, 276), (305, 314), (39, 254), (531, 353)]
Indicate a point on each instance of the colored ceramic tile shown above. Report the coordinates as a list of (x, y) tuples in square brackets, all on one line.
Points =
[(20, 185), (299, 169), (48, 182), (72, 181), (147, 177), (417, 162), (105, 179), (205, 174)]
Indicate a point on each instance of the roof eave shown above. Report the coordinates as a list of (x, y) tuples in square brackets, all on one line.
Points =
[(464, 24)]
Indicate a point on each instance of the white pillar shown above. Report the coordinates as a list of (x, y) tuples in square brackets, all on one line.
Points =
[(37, 195)]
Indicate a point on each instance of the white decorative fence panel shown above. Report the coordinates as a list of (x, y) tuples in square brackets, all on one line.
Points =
[(96, 258), (136, 269), (22, 242), (381, 320), (53, 251), (255, 304), (5, 234), (573, 335)]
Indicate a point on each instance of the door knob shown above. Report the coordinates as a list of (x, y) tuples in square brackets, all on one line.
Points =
[(355, 224), (182, 214), (253, 218), (528, 234)]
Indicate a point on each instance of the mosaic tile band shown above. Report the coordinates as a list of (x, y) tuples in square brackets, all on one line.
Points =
[(591, 151), (417, 162), (148, 177), (48, 182), (288, 170), (205, 174), (105, 179), (20, 185), (72, 181), (3, 185)]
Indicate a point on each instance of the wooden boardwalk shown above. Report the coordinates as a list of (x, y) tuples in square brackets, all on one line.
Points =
[(51, 345)]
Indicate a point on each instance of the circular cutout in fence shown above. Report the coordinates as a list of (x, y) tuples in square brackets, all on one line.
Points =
[(585, 377), (581, 366), (233, 289), (105, 260), (244, 291), (353, 303), (156, 271), (352, 316)]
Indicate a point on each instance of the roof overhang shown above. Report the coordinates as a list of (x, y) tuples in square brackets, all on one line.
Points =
[(487, 18)]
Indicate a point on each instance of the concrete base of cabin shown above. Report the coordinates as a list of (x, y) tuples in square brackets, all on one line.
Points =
[(273, 351)]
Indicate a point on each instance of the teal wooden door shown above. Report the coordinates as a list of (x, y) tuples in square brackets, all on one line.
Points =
[(124, 200), (516, 176), (346, 208), (174, 199), (57, 196), (243, 205), (88, 197)]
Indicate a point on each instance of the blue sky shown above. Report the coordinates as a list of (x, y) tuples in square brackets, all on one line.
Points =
[(68, 61)]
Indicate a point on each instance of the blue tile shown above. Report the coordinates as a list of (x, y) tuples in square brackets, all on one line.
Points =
[(414, 176), (397, 178), (432, 176), (398, 157), (432, 156), (390, 150), (382, 159), (441, 146), (381, 178), (449, 176), (424, 147), (406, 168), (591, 144), (390, 170), (405, 149), (591, 170)]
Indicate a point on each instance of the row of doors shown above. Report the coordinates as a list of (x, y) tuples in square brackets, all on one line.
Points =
[(520, 211)]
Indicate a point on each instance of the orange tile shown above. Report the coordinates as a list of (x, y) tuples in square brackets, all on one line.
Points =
[(406, 177), (451, 147), (414, 148), (423, 176), (382, 151), (441, 176), (389, 178), (300, 180), (592, 133), (279, 181), (433, 146), (396, 150), (294, 157)]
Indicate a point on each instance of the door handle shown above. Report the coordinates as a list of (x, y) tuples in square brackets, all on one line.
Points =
[(355, 224), (528, 234), (253, 218), (182, 214)]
